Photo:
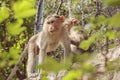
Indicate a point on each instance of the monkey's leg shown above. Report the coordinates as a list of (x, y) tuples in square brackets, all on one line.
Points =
[(66, 45), (31, 62), (42, 54)]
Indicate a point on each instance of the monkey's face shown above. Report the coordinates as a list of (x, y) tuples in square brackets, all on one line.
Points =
[(54, 23), (69, 23)]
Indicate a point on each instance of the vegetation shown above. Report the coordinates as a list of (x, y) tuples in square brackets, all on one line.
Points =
[(99, 21)]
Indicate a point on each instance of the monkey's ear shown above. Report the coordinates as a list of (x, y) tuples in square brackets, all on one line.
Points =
[(75, 22), (62, 18)]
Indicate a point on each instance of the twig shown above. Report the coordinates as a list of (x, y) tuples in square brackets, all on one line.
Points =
[(99, 6), (83, 22), (106, 51), (61, 1), (70, 9), (23, 55)]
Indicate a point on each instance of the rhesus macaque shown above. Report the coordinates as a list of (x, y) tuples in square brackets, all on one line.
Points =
[(69, 23), (75, 36), (52, 35)]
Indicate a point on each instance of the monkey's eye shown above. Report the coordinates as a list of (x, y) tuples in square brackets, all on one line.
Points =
[(48, 22), (52, 21)]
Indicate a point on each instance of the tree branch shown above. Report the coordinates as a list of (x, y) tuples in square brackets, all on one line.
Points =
[(61, 1), (70, 9), (38, 17), (22, 56)]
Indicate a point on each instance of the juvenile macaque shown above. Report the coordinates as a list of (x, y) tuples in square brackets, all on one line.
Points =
[(69, 23), (75, 36), (52, 35)]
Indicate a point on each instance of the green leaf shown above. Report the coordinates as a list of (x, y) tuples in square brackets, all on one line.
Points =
[(15, 28), (54, 65), (25, 14), (14, 54), (23, 9), (113, 21), (110, 34), (85, 45), (81, 58), (4, 13), (100, 19), (111, 2), (73, 75), (88, 67)]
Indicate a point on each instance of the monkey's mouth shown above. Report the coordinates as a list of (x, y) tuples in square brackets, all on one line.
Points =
[(53, 30)]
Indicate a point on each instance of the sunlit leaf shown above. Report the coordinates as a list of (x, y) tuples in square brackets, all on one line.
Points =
[(111, 2), (54, 65), (113, 21), (110, 34), (85, 45), (101, 19), (14, 51), (88, 67), (73, 75), (15, 28), (4, 13), (23, 9), (81, 57), (26, 13)]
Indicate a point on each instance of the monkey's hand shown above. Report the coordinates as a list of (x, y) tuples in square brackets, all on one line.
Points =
[(33, 75)]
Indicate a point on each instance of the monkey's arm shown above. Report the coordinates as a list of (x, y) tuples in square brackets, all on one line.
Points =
[(66, 44)]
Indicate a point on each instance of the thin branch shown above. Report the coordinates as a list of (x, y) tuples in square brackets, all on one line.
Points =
[(70, 9), (106, 51), (82, 5), (61, 2), (13, 72), (98, 6)]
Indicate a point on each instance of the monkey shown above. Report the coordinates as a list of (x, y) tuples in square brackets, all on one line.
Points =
[(69, 23), (75, 36), (52, 35)]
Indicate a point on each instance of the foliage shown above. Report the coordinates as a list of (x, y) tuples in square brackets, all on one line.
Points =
[(16, 24), (98, 23), (54, 65), (73, 75)]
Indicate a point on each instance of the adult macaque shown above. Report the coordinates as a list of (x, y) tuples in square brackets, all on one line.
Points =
[(52, 35), (75, 36)]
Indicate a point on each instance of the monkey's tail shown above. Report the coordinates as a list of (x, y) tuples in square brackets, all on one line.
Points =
[(22, 56)]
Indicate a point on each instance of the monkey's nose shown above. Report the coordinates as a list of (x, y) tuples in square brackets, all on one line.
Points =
[(52, 29)]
